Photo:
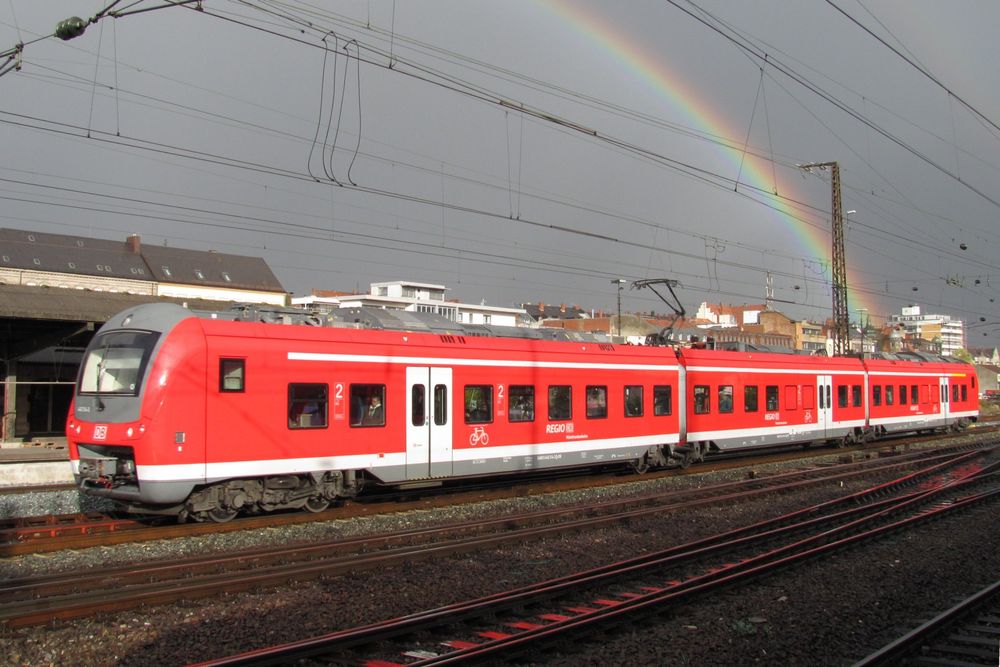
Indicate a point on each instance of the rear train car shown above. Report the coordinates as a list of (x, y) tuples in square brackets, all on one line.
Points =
[(740, 400), (910, 392), (204, 418)]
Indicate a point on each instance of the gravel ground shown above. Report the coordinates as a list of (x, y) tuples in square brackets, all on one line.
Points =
[(831, 612)]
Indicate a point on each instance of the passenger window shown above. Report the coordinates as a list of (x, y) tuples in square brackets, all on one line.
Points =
[(954, 393), (792, 399), (560, 402), (367, 405), (307, 405), (771, 398), (877, 394), (750, 398), (726, 398), (417, 397), (842, 396), (890, 397), (522, 403), (902, 394), (663, 400), (478, 403), (856, 396), (965, 393), (633, 400), (597, 402), (232, 375), (702, 402), (440, 404), (914, 395)]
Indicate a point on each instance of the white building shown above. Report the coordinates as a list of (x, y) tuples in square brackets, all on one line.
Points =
[(419, 298), (939, 330)]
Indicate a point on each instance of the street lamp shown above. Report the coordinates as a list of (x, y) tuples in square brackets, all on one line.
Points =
[(621, 285)]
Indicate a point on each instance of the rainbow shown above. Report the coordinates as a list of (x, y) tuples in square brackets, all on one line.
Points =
[(667, 84)]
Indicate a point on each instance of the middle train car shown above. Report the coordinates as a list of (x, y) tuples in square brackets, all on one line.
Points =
[(738, 400), (402, 407)]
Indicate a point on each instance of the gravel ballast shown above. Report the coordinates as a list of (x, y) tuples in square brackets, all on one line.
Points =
[(830, 612)]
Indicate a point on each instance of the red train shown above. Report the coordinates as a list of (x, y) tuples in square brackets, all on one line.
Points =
[(206, 416)]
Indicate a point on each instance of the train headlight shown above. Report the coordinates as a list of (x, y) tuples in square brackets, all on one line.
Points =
[(130, 432)]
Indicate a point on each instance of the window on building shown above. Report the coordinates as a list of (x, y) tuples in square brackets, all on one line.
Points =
[(560, 402), (771, 398), (663, 401), (478, 403), (307, 405), (750, 398), (702, 400), (522, 403), (367, 405), (633, 400), (597, 402), (232, 375), (725, 398)]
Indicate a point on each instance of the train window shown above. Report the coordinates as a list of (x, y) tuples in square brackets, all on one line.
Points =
[(877, 394), (307, 404), (522, 403), (440, 404), (560, 402), (417, 400), (965, 393), (597, 402), (232, 374), (856, 396), (367, 405), (902, 394), (890, 394), (702, 400), (663, 400), (750, 398), (478, 403), (771, 398), (807, 396), (633, 400), (115, 362), (944, 394), (725, 398), (954, 393), (842, 396), (792, 399)]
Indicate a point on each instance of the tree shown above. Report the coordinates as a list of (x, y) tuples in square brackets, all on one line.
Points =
[(962, 355)]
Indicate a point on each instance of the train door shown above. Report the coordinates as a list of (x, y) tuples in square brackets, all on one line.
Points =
[(824, 403), (428, 424), (945, 399)]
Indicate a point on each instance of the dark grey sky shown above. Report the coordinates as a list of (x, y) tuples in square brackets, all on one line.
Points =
[(653, 148)]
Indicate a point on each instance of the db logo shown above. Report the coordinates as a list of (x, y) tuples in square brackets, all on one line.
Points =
[(101, 432)]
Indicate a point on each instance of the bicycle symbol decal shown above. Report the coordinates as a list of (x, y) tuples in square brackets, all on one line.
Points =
[(479, 437)]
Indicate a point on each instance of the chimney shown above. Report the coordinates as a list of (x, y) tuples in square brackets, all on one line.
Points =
[(132, 243)]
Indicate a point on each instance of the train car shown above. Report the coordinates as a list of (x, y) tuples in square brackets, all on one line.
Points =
[(912, 392), (739, 400), (199, 417)]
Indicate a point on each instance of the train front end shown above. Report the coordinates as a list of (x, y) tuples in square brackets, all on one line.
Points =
[(121, 446)]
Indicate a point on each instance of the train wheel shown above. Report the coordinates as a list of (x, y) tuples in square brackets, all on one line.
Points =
[(316, 504), (641, 466), (222, 514)]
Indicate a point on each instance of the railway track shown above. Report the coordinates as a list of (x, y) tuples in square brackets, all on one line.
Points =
[(43, 599), (534, 617), (28, 535), (966, 634)]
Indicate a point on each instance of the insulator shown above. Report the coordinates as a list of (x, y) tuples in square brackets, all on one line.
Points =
[(70, 28)]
